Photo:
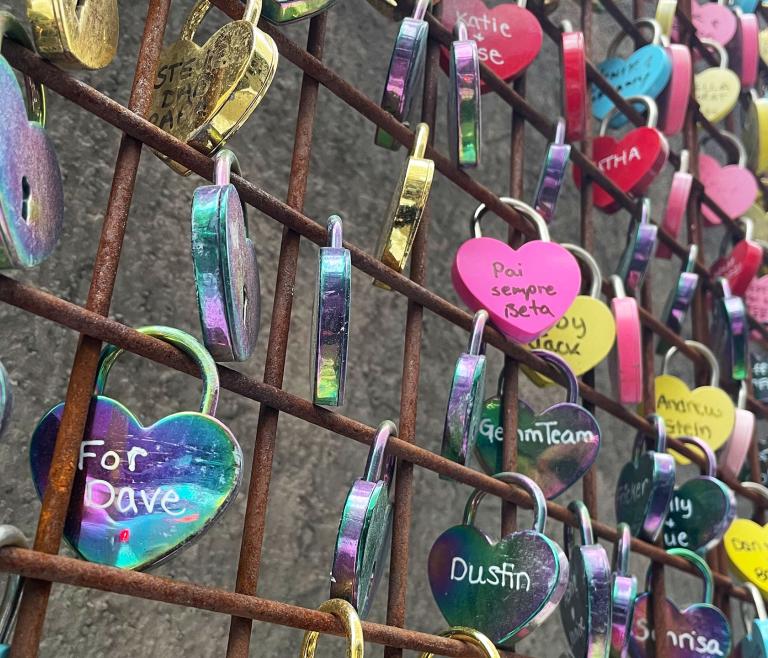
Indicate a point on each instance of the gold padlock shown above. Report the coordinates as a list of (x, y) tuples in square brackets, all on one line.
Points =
[(407, 206), (203, 95), (75, 35)]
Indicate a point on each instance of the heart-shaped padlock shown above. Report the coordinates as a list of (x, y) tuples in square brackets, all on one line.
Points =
[(626, 363), (464, 124), (734, 453), (746, 546), (405, 68), (279, 12), (586, 606), (526, 290), (203, 95), (756, 299), (633, 162), (714, 21), (706, 411), (465, 401), (574, 91), (31, 194), (508, 35), (143, 493), (744, 48), (6, 399), (742, 264), (716, 88), (759, 376), (554, 448), (701, 509), (226, 271), (755, 133), (680, 298), (81, 35), (677, 203), (673, 101), (646, 484), (10, 536), (406, 208), (699, 630), (330, 338), (732, 187), (644, 73), (641, 243), (584, 336), (754, 644), (552, 174), (730, 330), (623, 593), (365, 527), (503, 589)]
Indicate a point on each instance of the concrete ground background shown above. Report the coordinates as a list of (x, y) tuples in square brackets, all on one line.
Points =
[(313, 468)]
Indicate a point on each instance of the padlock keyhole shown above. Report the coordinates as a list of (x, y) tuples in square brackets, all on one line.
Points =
[(25, 198)]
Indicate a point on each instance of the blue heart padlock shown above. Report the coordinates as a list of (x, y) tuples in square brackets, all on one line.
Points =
[(755, 641), (645, 72), (143, 493), (646, 485), (585, 611), (701, 509), (503, 589), (10, 536), (623, 594)]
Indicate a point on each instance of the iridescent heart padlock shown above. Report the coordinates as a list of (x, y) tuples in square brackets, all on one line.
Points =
[(31, 194), (677, 203), (526, 290), (701, 509), (742, 264), (144, 493), (701, 630), (754, 644), (585, 335), (730, 330), (680, 298), (464, 118), (716, 88), (552, 174), (226, 270), (646, 484), (405, 68), (555, 447), (755, 133), (330, 335), (10, 536), (506, 588), (365, 527), (732, 457), (465, 400), (626, 363), (644, 73), (574, 95), (586, 607), (744, 48), (623, 593), (6, 399), (705, 412), (759, 367), (641, 243)]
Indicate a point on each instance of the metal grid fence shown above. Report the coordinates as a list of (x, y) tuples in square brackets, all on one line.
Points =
[(42, 565)]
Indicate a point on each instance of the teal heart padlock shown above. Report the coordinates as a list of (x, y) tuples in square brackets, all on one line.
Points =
[(365, 527), (623, 593), (226, 271), (503, 589), (585, 611), (141, 494), (10, 536), (6, 399), (755, 641), (702, 509)]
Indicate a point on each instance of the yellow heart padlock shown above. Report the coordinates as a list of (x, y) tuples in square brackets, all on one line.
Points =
[(706, 411), (755, 134), (716, 88), (203, 95), (746, 545), (75, 35), (584, 336)]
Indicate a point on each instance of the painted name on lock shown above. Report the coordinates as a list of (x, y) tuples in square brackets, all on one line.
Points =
[(494, 575), (672, 537), (577, 325), (694, 641), (615, 160), (677, 427), (542, 432), (531, 307), (486, 23), (629, 493)]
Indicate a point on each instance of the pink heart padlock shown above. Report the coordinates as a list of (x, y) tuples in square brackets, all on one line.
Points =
[(626, 364), (673, 102), (526, 290), (677, 204), (714, 20), (742, 264), (744, 48), (734, 453), (756, 298)]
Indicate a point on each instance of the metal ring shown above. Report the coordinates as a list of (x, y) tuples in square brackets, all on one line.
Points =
[(376, 468), (714, 368), (470, 636), (571, 386), (650, 104), (523, 208), (478, 327), (522, 481), (346, 613)]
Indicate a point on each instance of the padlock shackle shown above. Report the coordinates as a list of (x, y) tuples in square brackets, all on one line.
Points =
[(34, 91), (10, 536), (469, 636), (376, 467), (479, 321), (420, 9), (584, 525), (345, 612), (722, 53), (749, 227), (710, 469), (460, 31), (523, 208), (251, 13), (621, 550), (757, 603), (560, 364), (660, 428), (650, 104), (596, 282), (758, 488), (566, 25), (714, 368), (685, 161), (184, 342), (651, 23), (420, 140), (224, 163), (517, 479), (741, 151), (335, 232), (690, 262), (618, 286), (743, 396), (701, 566)]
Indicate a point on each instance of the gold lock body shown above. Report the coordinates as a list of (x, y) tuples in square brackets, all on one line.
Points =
[(204, 94), (75, 35)]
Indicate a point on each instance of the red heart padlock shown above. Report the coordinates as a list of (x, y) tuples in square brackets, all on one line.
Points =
[(742, 264), (574, 82), (508, 36), (631, 162)]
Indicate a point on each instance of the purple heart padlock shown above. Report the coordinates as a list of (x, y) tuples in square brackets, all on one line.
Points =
[(623, 594), (585, 610), (503, 589), (554, 448), (680, 298), (141, 494), (646, 485), (641, 242), (464, 118), (552, 174), (730, 330)]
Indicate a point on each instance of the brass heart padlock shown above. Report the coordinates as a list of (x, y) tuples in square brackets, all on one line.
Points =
[(203, 95), (75, 35)]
